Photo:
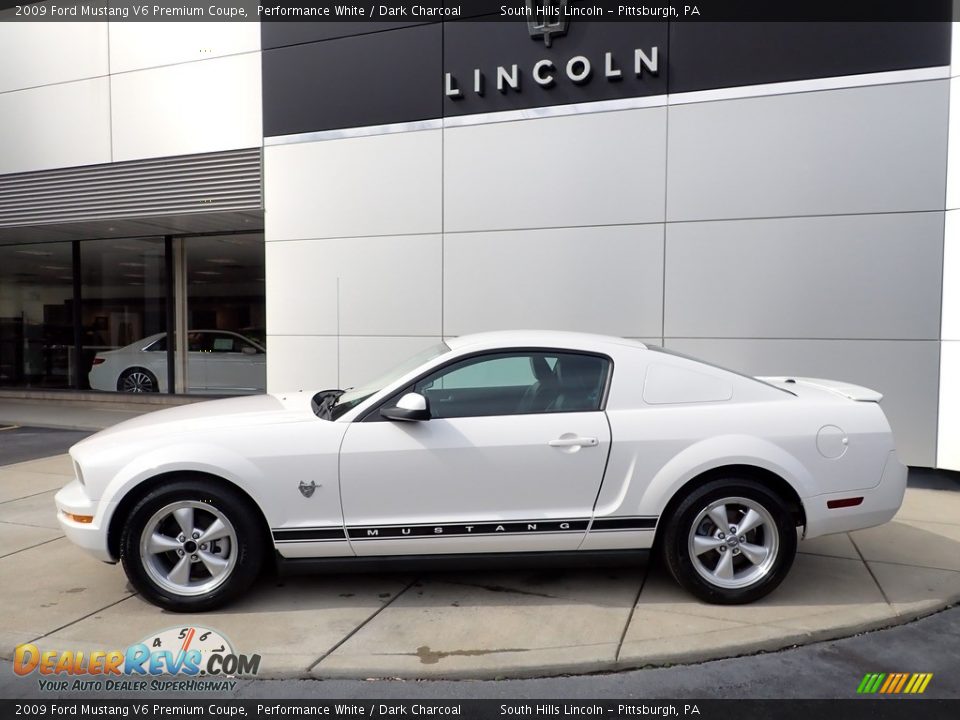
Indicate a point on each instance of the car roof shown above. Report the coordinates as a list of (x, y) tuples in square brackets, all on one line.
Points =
[(539, 338), (150, 339)]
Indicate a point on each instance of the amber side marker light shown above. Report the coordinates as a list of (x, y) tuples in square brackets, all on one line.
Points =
[(844, 502), (84, 519)]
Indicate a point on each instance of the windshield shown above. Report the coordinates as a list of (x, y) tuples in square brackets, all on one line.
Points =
[(349, 399)]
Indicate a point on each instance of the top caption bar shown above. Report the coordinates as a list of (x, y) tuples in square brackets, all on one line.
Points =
[(482, 10)]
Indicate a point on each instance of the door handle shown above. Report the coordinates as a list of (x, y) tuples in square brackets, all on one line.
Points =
[(574, 442)]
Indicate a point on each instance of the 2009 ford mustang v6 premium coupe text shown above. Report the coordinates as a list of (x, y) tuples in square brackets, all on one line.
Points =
[(502, 446)]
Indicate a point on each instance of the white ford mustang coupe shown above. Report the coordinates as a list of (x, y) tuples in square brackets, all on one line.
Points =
[(498, 447)]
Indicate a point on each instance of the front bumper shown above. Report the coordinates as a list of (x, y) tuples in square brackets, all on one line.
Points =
[(880, 504), (91, 536)]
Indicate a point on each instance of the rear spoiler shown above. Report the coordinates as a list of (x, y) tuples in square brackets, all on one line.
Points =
[(847, 390)]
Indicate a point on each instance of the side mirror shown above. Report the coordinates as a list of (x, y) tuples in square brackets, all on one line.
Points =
[(411, 407), (248, 350)]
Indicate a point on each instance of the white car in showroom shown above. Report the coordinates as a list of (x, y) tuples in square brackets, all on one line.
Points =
[(218, 361), (512, 446)]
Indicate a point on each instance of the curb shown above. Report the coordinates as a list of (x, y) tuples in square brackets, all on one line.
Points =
[(785, 642)]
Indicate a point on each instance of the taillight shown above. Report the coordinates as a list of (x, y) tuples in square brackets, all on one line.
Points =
[(98, 360)]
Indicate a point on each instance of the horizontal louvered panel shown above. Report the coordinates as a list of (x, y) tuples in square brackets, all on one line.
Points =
[(161, 186)]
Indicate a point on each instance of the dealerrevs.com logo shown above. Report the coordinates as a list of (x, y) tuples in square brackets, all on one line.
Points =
[(184, 658)]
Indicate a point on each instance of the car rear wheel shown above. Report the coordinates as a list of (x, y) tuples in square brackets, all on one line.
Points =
[(192, 545), (730, 541), (137, 380)]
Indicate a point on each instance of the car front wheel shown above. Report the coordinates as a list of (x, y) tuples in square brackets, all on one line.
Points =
[(730, 541), (191, 546)]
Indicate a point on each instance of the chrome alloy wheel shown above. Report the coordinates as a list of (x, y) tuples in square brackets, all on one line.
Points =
[(137, 382), (188, 547), (733, 543)]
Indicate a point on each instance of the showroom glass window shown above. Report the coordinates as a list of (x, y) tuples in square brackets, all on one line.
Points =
[(123, 301), (36, 315), (516, 383), (226, 311)]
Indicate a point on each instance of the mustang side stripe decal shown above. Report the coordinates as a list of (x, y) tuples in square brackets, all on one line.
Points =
[(494, 528), (332, 533), (513, 527), (624, 523)]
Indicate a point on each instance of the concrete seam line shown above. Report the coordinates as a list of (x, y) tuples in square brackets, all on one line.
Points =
[(359, 627), (870, 570), (26, 524), (912, 565), (26, 497), (80, 619), (30, 547), (633, 608)]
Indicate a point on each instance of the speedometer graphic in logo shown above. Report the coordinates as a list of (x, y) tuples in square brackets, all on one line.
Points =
[(179, 640)]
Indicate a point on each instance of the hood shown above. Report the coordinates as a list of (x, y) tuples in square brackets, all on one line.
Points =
[(244, 411)]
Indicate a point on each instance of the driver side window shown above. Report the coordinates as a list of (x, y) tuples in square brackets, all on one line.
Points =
[(516, 384)]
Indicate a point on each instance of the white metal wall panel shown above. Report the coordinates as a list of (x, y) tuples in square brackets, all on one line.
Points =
[(44, 53), (302, 362), (355, 286), (814, 277), (593, 169), (953, 148), (948, 430), (595, 279), (140, 45), (55, 126), (384, 185), (859, 150), (189, 108), (950, 311)]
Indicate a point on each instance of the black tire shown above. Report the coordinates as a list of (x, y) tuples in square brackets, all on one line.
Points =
[(243, 551), (693, 570), (137, 380)]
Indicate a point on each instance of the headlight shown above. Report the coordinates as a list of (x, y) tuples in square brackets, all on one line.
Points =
[(79, 472)]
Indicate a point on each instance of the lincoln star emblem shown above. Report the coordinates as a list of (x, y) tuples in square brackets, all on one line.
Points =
[(307, 489), (546, 20)]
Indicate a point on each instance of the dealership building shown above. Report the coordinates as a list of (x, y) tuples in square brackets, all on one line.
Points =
[(778, 198)]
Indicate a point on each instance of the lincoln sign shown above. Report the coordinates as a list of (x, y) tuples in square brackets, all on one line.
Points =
[(577, 69)]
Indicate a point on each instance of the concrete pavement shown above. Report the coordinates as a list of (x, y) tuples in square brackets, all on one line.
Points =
[(479, 625)]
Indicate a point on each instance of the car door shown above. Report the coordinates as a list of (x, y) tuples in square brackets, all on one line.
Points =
[(510, 461), (197, 351), (233, 364)]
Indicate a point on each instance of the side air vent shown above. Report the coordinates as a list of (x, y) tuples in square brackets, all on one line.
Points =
[(219, 182)]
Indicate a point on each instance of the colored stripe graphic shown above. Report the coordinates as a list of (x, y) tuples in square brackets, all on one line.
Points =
[(873, 683), (894, 683), (891, 680), (903, 679)]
